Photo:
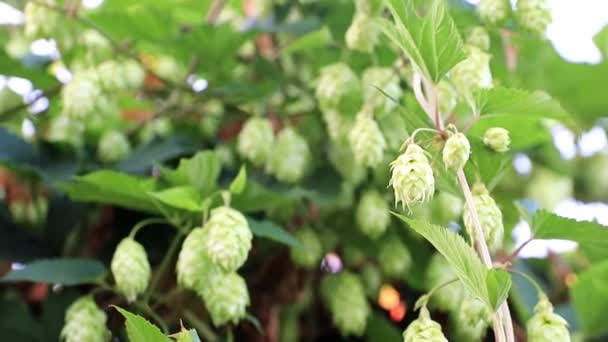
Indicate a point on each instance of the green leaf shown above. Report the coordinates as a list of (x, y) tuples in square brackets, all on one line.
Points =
[(379, 329), (311, 40), (601, 41), (431, 42), (486, 163), (270, 230), (238, 183), (157, 151), (66, 271), (499, 284), (590, 299), (256, 197), (592, 237), (201, 171), (180, 197), (115, 188), (140, 330)]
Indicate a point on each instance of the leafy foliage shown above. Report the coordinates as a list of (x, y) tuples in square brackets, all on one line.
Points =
[(65, 271)]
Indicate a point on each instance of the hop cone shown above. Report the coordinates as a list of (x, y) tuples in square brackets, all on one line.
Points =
[(424, 329), (227, 239), (192, 264), (549, 188), (64, 129), (497, 138), (82, 97), (472, 319), (456, 151), (490, 217), (309, 255), (337, 125), (344, 296), (338, 88), (366, 140), (447, 97), (290, 156), (111, 74), (255, 140), (84, 321), (113, 146), (494, 12), (342, 158), (130, 268), (134, 74), (479, 38), (534, 15), (394, 257), (473, 73), (381, 89), (363, 33), (545, 325), (226, 297), (40, 20), (412, 177), (448, 297), (373, 214)]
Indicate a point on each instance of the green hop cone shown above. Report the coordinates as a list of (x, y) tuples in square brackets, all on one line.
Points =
[(473, 73), (549, 188), (338, 88), (362, 34), (342, 158), (534, 16), (490, 217), (472, 319), (64, 129), (192, 265), (337, 124), (309, 255), (447, 97), (130, 268), (381, 89), (227, 238), (213, 112), (412, 177), (40, 20), (373, 214), (424, 329), (344, 296), (545, 325), (113, 146), (366, 139), (84, 321), (255, 140), (160, 127), (134, 74), (439, 272), (82, 97), (479, 37), (494, 12), (497, 138), (290, 156), (394, 257), (226, 297), (456, 151), (112, 76)]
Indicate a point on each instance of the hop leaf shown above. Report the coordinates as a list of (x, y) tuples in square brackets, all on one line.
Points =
[(84, 321), (489, 215), (381, 89), (534, 15), (412, 177), (192, 264), (366, 140), (290, 156), (40, 20), (226, 297), (497, 138), (362, 34), (473, 73), (255, 140), (545, 325), (424, 329), (494, 12), (130, 268), (394, 257), (344, 296), (456, 151), (113, 146), (373, 214), (479, 37), (338, 88), (309, 255), (448, 297)]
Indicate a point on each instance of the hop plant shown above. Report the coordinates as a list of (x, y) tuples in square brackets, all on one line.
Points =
[(447, 97), (130, 268), (534, 16), (456, 151), (40, 20), (424, 329), (255, 140), (226, 297), (84, 321), (134, 74), (412, 177), (494, 12), (113, 146), (479, 37), (545, 325), (111, 75), (82, 97), (227, 238), (337, 124), (366, 140), (447, 207), (372, 279), (338, 88), (64, 129), (160, 127), (490, 217), (472, 319), (362, 34), (394, 257), (373, 214), (368, 7), (381, 89), (192, 264), (549, 188), (473, 73), (309, 254), (439, 272), (497, 138), (342, 158), (290, 156), (344, 296)]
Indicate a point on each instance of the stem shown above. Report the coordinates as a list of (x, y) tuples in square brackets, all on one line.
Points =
[(424, 299), (420, 95), (148, 311), (215, 10), (163, 266), (517, 251), (201, 327), (143, 223)]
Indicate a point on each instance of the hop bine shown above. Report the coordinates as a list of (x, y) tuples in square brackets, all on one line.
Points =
[(489, 215)]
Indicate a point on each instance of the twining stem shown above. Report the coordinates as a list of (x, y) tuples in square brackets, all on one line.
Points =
[(160, 272), (143, 223)]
